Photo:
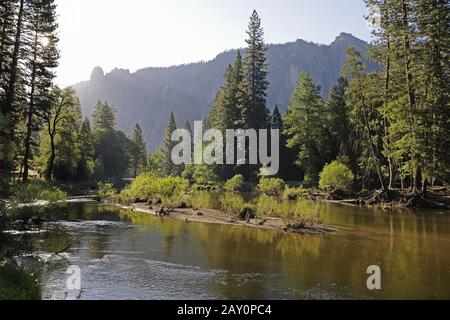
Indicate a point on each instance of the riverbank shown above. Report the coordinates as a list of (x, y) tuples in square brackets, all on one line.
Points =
[(435, 198), (218, 217)]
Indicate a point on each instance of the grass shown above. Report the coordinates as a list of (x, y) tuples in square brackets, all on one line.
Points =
[(37, 190), (18, 284)]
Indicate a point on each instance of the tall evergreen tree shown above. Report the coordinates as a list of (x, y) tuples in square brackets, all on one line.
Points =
[(363, 97), (41, 28), (86, 142), (138, 151), (104, 116), (11, 84), (343, 141), (305, 126), (252, 99), (168, 168)]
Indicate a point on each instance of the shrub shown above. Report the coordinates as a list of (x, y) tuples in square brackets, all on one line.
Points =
[(271, 186), (336, 176), (106, 191), (17, 284), (294, 193), (267, 206), (237, 183), (144, 187), (235, 205), (203, 200), (300, 214), (149, 187), (37, 190), (171, 191), (204, 175)]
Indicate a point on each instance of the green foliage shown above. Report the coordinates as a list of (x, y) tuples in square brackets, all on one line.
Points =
[(60, 143), (170, 190), (336, 176), (106, 191), (202, 200), (168, 168), (294, 193), (271, 186), (201, 176), (296, 214), (237, 183), (112, 155), (37, 190), (104, 116), (85, 167), (18, 284), (252, 89), (154, 162), (204, 175), (267, 206), (138, 152), (307, 125), (235, 205)]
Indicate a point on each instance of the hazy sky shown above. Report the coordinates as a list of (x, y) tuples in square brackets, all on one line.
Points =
[(134, 34)]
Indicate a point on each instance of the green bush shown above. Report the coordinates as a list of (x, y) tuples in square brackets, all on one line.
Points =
[(237, 183), (267, 206), (149, 187), (171, 191), (235, 205), (336, 176), (17, 284), (204, 176), (294, 193), (36, 191), (106, 191), (271, 186), (144, 187), (202, 200), (301, 213)]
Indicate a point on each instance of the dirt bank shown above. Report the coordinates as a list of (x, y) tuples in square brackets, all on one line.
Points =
[(218, 217)]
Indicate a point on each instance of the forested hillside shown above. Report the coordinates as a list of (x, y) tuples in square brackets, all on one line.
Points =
[(148, 96)]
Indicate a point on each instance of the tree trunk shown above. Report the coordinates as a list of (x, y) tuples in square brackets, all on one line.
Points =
[(51, 160), (27, 153), (10, 93), (411, 98), (385, 121), (372, 148)]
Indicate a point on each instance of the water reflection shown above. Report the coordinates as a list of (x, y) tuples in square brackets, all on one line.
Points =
[(130, 255)]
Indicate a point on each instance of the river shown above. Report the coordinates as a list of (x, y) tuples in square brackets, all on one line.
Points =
[(130, 255)]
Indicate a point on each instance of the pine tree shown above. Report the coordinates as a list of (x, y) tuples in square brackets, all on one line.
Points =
[(104, 117), (365, 101), (305, 124), (433, 29), (277, 120), (252, 96), (86, 142), (168, 168), (138, 151), (11, 84), (343, 140), (43, 58)]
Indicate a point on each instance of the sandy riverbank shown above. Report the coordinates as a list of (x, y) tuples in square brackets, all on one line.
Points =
[(218, 217)]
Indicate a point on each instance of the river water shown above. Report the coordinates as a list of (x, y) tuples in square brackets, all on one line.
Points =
[(129, 255)]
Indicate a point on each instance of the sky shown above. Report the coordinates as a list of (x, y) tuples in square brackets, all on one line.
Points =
[(135, 34)]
